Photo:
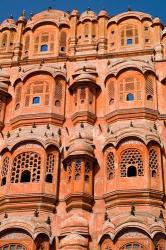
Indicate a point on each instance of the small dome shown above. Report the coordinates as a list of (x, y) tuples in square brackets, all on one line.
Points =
[(75, 221), (74, 13), (79, 146), (85, 78), (75, 240), (88, 15), (8, 21), (103, 13), (156, 20)]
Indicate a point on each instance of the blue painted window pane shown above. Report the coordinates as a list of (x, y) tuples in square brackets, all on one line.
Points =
[(129, 41), (44, 48), (130, 97), (36, 100)]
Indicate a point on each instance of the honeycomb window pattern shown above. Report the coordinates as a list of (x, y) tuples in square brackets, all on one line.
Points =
[(87, 171), (131, 158), (28, 161), (50, 166), (153, 162), (69, 171), (111, 92), (133, 246), (110, 164), (4, 170), (77, 169), (13, 247), (5, 167)]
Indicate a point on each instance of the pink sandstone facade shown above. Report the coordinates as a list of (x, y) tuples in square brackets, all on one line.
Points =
[(83, 132)]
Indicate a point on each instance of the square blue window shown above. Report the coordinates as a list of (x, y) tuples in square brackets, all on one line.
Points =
[(44, 48), (36, 100), (129, 41), (130, 97)]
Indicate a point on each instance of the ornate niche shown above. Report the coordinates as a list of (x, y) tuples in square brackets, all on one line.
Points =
[(79, 164), (40, 94), (84, 93)]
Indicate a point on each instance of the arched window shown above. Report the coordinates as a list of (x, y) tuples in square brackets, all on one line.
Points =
[(153, 163), (86, 30), (18, 97), (82, 94), (50, 167), (149, 89), (27, 43), (12, 33), (58, 92), (133, 246), (63, 40), (87, 171), (13, 246), (77, 169), (93, 30), (131, 171), (4, 40), (111, 92), (37, 92), (4, 170), (131, 163), (129, 35), (110, 164), (25, 176), (130, 89), (26, 168)]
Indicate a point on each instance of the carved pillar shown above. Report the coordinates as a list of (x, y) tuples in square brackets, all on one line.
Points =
[(157, 39), (18, 45), (102, 41), (73, 32)]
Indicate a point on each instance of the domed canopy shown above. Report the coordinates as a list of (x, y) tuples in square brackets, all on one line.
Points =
[(130, 14), (88, 15), (56, 17), (103, 13), (74, 239), (8, 23), (75, 221), (80, 147), (85, 74), (74, 13)]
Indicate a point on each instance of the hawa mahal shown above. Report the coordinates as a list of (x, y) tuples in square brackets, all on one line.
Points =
[(83, 131)]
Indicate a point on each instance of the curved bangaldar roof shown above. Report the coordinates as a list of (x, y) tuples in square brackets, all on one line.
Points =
[(88, 15), (8, 23), (130, 14), (57, 17)]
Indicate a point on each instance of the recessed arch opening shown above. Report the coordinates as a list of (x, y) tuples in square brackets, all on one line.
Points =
[(131, 171), (25, 176)]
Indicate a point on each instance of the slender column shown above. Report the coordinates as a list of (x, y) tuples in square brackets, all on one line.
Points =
[(18, 45), (73, 32)]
